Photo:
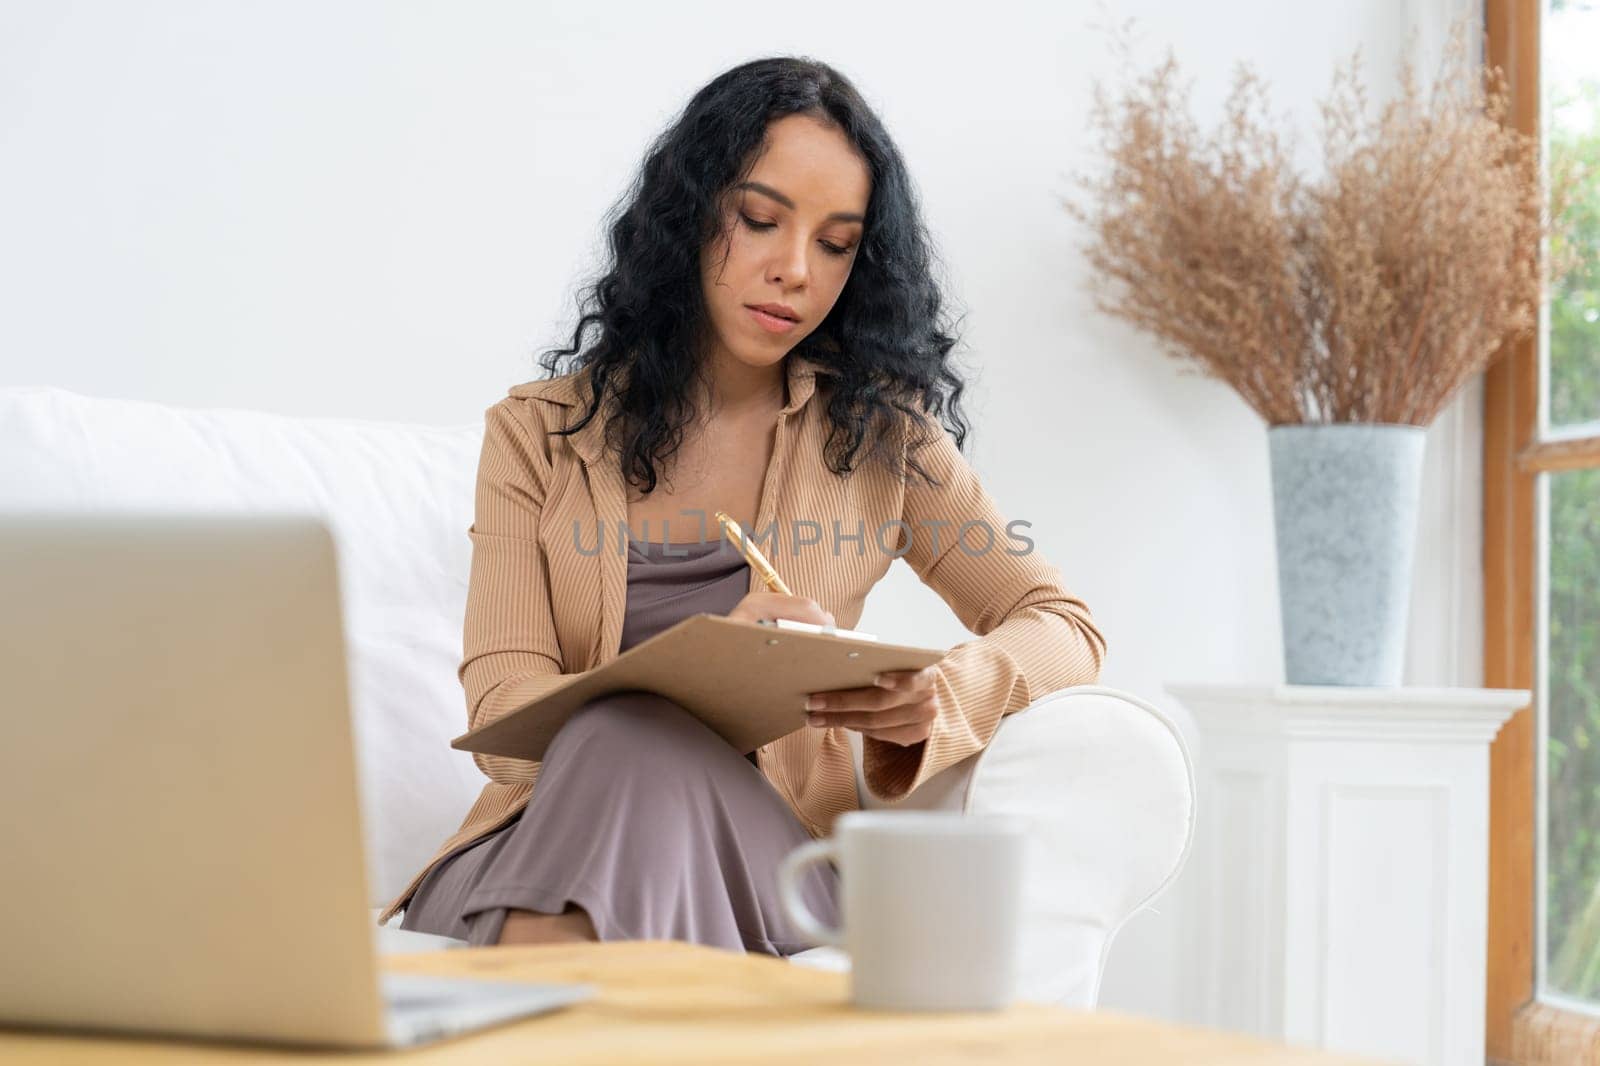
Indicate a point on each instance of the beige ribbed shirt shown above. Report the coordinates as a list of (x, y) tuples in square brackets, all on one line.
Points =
[(536, 583)]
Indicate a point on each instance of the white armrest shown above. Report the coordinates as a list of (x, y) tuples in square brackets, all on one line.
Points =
[(1108, 785)]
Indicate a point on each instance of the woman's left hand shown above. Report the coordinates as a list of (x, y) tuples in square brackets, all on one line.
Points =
[(899, 709)]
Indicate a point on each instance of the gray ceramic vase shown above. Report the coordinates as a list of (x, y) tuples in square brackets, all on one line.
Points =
[(1345, 500)]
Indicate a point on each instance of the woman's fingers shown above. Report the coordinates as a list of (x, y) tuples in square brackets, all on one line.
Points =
[(899, 686), (901, 735), (901, 680), (923, 710), (767, 605), (854, 699)]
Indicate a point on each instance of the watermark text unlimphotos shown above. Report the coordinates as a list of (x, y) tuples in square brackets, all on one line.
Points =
[(776, 539)]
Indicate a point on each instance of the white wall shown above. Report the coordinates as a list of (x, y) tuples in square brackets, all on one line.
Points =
[(381, 209)]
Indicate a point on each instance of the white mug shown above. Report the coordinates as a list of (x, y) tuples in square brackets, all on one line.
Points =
[(931, 905)]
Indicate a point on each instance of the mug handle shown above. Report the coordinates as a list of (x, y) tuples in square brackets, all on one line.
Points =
[(789, 889)]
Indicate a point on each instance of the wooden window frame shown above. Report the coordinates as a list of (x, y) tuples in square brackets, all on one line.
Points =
[(1519, 1027)]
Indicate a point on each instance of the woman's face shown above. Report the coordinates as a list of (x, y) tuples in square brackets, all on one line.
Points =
[(790, 233)]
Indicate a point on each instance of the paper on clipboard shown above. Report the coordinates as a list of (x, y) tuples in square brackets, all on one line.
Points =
[(745, 680), (812, 627)]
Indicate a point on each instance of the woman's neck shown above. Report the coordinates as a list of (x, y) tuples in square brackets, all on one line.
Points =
[(730, 388)]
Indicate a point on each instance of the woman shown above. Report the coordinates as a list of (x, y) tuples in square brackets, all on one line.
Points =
[(766, 343)]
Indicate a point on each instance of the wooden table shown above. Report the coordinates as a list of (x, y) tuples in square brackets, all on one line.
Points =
[(663, 1001)]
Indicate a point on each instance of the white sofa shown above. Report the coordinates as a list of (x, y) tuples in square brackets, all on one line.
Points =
[(1103, 777)]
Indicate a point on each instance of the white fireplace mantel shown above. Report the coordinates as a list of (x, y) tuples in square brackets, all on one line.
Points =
[(1341, 855)]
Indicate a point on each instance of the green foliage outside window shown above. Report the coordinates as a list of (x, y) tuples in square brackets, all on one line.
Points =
[(1572, 861)]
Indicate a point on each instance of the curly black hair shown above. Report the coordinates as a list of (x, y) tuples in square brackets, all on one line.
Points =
[(883, 347)]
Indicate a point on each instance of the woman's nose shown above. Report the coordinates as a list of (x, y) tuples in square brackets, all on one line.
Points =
[(789, 265)]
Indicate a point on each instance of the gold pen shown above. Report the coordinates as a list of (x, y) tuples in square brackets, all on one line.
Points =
[(758, 562)]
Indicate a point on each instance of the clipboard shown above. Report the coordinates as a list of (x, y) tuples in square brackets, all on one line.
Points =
[(748, 682)]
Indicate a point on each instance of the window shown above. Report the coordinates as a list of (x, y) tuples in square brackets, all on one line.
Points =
[(1542, 576), (1568, 651)]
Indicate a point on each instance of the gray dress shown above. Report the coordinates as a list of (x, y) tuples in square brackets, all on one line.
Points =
[(643, 816)]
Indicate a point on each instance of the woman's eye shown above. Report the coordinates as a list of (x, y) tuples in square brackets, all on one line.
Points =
[(832, 249)]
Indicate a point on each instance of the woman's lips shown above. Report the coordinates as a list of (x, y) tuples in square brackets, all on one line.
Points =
[(771, 323)]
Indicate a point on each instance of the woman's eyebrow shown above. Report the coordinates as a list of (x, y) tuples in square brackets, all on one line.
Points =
[(767, 190)]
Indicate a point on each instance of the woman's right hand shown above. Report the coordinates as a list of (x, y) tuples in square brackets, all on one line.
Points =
[(759, 605)]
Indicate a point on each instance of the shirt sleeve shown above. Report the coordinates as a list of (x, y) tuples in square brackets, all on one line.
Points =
[(1034, 637), (510, 654)]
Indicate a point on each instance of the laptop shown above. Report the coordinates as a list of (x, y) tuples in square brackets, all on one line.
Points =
[(181, 851)]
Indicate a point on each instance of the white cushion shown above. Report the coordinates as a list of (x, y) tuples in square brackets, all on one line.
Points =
[(1105, 781), (398, 499)]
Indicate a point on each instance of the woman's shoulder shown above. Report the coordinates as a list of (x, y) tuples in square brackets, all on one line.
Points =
[(524, 420), (562, 390), (546, 404)]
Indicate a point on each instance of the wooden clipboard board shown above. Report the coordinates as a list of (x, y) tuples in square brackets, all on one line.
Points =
[(745, 680)]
